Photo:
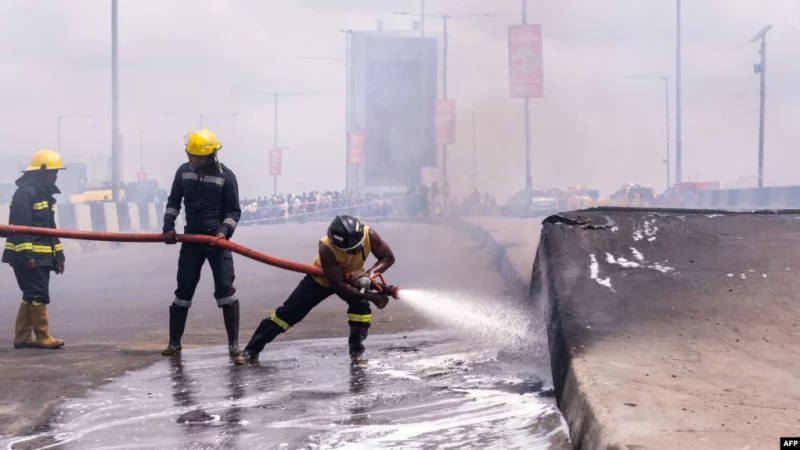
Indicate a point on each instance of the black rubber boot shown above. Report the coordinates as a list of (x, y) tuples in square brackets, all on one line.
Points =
[(230, 314), (177, 323), (358, 334), (267, 331)]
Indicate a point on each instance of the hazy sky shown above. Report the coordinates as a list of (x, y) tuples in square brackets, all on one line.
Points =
[(594, 127)]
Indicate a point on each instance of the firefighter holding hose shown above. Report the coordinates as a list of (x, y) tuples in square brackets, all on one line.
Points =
[(210, 192), (34, 257), (343, 251)]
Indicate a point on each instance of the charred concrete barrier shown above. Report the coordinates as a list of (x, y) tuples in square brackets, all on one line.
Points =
[(672, 329)]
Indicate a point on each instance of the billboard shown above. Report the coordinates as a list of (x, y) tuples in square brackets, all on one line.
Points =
[(275, 156), (445, 122), (356, 147), (393, 92), (525, 60)]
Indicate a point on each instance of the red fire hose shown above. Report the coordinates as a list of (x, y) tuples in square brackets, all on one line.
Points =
[(186, 238)]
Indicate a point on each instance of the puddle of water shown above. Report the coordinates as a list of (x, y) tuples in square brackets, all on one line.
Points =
[(420, 390)]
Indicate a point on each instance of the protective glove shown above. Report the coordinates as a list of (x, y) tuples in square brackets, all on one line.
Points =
[(358, 274), (170, 237)]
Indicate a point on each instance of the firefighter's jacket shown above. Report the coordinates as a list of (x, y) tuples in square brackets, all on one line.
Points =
[(33, 205), (212, 201)]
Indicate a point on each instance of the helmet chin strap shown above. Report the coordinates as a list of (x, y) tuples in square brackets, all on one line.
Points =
[(217, 163)]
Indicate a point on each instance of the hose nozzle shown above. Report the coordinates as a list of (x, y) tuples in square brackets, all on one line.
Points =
[(375, 282)]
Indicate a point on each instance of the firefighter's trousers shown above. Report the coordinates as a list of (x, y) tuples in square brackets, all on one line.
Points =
[(190, 263), (34, 284), (305, 297)]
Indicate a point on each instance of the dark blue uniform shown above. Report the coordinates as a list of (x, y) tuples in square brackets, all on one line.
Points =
[(212, 207), (33, 205)]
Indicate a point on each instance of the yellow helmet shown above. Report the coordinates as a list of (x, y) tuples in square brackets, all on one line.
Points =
[(45, 159), (201, 143)]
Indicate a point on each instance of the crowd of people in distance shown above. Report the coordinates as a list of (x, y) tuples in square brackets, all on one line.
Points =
[(418, 201), (427, 201), (285, 208)]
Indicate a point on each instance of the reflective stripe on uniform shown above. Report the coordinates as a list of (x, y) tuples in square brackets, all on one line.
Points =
[(41, 205), (189, 176), (29, 246), (184, 303), (58, 248), (230, 222), (25, 246), (361, 318), (226, 300), (171, 212), (279, 322), (214, 180)]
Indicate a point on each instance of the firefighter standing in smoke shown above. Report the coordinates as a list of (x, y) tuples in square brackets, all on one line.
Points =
[(211, 195), (34, 257), (343, 251)]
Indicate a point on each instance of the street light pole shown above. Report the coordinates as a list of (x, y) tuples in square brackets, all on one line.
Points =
[(141, 151), (445, 18), (346, 60), (115, 175), (761, 69), (666, 108), (201, 115), (678, 82), (275, 143), (474, 165), (528, 172), (275, 96), (66, 116)]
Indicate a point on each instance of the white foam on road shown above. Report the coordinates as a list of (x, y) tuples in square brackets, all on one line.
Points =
[(433, 391), (483, 420)]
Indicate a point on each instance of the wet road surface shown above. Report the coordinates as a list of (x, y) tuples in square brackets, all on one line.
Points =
[(420, 390), (111, 307)]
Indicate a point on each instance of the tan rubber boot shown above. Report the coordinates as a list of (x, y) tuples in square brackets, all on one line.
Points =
[(41, 328), (23, 327)]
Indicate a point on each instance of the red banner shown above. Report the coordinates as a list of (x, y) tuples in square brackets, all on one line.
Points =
[(275, 161), (445, 122), (356, 147), (525, 60)]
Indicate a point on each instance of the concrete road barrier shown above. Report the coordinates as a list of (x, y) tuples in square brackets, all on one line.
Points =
[(670, 328), (83, 217)]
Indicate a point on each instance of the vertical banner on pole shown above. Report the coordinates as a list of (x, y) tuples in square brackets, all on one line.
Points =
[(275, 161), (445, 122), (525, 60), (356, 147)]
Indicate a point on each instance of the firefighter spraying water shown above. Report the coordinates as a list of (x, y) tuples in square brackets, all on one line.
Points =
[(360, 286), (343, 251)]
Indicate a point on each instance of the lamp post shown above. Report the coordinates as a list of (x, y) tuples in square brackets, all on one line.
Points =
[(666, 116), (474, 164), (445, 18), (761, 69), (346, 61), (202, 116), (678, 87), (275, 96)]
